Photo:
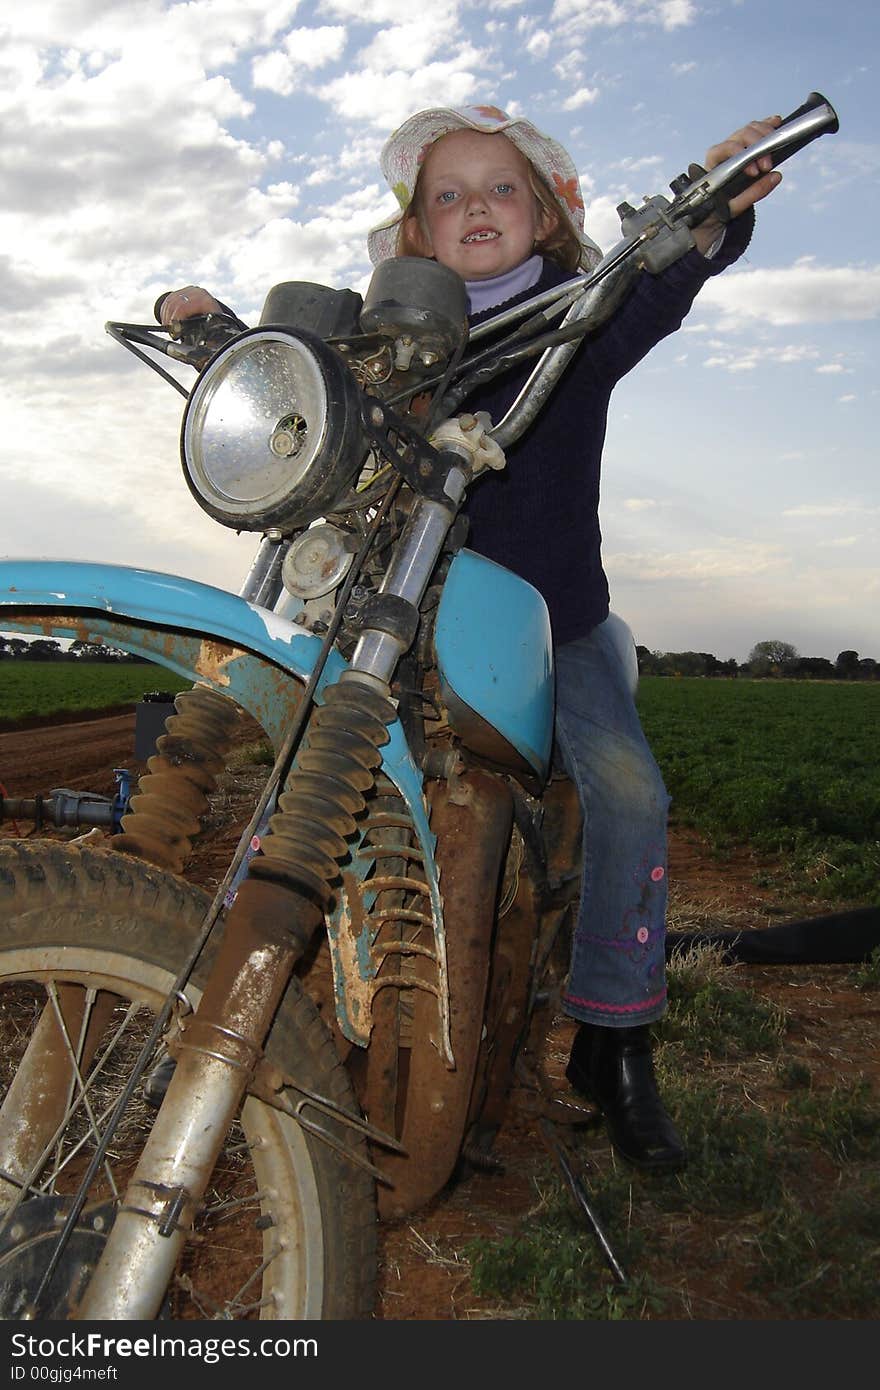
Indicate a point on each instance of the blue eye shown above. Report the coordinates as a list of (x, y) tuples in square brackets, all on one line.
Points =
[(447, 197), (504, 188)]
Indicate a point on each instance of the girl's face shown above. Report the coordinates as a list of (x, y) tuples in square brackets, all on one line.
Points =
[(477, 211)]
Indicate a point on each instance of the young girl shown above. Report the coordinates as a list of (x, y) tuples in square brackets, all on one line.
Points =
[(497, 201)]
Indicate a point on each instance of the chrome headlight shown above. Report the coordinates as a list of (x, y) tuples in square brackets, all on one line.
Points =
[(271, 432)]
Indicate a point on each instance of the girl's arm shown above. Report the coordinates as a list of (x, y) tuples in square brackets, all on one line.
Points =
[(657, 305)]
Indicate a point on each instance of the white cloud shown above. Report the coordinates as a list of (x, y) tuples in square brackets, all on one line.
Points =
[(592, 14), (588, 14), (823, 510), (568, 68), (278, 198), (274, 72), (204, 33), (731, 363), (304, 51), (601, 219), (538, 45), (407, 47), (383, 100), (632, 165), (390, 12), (327, 248), (734, 359), (728, 559), (324, 172), (584, 96), (802, 293), (673, 14)]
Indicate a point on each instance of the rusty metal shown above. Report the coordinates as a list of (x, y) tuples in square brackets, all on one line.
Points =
[(270, 1084), (267, 928), (537, 898), (432, 1100), (165, 814), (506, 1008), (386, 915)]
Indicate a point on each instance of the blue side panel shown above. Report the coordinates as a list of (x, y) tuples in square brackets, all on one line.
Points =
[(494, 653)]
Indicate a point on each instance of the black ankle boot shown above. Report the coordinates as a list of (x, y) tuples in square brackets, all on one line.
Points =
[(614, 1068)]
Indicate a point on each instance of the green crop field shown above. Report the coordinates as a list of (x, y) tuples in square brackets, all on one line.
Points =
[(788, 767), (30, 689)]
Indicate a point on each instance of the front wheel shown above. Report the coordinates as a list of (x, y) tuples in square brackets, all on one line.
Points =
[(91, 942)]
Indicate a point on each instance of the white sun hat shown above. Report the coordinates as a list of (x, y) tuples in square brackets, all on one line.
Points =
[(405, 150)]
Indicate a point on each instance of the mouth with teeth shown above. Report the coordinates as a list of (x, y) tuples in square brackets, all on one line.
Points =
[(482, 234)]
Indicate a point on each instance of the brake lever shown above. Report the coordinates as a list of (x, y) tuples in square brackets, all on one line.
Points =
[(195, 339)]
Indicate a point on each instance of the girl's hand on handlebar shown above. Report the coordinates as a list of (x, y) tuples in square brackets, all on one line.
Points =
[(766, 178), (186, 304)]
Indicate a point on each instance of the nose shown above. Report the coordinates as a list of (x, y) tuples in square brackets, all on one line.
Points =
[(476, 204)]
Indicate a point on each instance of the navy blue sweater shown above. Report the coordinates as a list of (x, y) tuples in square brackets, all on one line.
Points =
[(540, 516)]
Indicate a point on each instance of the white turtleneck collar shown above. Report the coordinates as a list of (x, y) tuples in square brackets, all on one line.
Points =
[(483, 294)]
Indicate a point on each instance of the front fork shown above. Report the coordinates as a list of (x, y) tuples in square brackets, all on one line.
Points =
[(269, 925)]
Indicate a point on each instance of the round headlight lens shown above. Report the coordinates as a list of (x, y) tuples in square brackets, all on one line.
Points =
[(271, 432)]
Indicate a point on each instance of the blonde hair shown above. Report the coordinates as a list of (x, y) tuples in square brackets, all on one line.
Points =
[(560, 244)]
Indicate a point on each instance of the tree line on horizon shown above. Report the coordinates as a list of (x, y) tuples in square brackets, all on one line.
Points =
[(47, 649), (767, 659)]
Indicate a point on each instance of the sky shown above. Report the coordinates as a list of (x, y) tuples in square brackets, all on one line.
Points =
[(235, 143)]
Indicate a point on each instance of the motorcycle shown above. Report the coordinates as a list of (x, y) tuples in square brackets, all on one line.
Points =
[(345, 1014)]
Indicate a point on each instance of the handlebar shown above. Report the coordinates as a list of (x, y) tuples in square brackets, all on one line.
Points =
[(823, 121), (192, 341), (698, 191)]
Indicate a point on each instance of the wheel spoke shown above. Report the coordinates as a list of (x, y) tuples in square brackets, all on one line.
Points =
[(77, 1085), (233, 1307), (42, 1158)]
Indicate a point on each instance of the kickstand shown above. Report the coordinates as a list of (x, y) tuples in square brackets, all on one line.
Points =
[(568, 1168)]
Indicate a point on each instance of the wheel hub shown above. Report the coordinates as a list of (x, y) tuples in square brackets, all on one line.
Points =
[(27, 1241)]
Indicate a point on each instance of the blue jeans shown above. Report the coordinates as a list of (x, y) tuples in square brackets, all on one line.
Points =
[(618, 961)]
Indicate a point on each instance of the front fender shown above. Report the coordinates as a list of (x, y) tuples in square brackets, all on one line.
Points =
[(202, 633), (207, 635), (154, 611)]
